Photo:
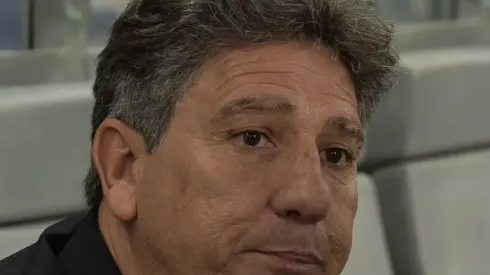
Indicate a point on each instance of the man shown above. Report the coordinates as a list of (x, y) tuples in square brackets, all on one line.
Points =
[(225, 139)]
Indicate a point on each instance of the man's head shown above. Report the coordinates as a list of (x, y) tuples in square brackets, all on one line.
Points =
[(226, 132)]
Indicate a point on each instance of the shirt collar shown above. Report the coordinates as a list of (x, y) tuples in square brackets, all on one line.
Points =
[(86, 252)]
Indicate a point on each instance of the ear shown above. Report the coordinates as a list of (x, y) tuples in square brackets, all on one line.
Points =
[(117, 154)]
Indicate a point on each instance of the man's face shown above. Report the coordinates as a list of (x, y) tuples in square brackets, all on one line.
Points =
[(257, 173)]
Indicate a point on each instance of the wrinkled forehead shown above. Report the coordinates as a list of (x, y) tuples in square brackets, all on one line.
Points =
[(307, 75)]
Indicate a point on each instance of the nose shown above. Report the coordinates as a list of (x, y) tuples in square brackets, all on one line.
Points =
[(303, 195)]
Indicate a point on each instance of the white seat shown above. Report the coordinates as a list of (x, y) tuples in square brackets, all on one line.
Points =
[(369, 253), (424, 35), (15, 238), (45, 145), (438, 105), (443, 205), (427, 145), (36, 67)]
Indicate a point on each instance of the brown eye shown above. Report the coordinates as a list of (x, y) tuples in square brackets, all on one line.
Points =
[(337, 156), (253, 139)]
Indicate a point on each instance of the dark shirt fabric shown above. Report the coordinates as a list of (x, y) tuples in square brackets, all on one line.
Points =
[(71, 247)]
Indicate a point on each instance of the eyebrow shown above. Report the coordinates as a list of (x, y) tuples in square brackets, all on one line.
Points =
[(255, 105), (345, 126)]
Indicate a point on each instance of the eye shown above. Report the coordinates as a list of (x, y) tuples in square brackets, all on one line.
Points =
[(337, 156), (254, 139)]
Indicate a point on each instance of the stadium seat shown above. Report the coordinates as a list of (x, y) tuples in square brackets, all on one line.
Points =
[(13, 238), (442, 34), (45, 150), (369, 251), (399, 11), (428, 159), (416, 11), (436, 214), (19, 68), (438, 105)]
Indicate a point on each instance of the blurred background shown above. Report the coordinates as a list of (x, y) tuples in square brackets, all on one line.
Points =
[(424, 179)]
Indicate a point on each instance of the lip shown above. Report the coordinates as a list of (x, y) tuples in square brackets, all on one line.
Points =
[(303, 257), (291, 262)]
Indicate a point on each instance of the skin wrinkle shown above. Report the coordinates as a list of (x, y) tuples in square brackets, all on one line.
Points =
[(353, 129), (205, 199), (239, 86), (193, 197), (229, 62)]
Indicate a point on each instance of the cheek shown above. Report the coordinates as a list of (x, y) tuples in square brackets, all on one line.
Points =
[(224, 199), (225, 179), (231, 196), (198, 209), (340, 225)]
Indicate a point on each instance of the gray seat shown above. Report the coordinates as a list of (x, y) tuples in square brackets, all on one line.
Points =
[(45, 145), (41, 67), (15, 238), (369, 251), (429, 157), (438, 105), (442, 34), (416, 11), (91, 60), (436, 214)]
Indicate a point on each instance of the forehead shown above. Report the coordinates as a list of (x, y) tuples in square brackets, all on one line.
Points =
[(305, 74)]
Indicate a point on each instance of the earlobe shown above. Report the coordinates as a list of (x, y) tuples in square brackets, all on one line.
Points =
[(117, 152)]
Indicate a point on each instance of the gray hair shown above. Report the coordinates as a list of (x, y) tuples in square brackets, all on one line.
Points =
[(157, 46)]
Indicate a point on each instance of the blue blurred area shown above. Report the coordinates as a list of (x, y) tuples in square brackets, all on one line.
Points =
[(101, 24), (10, 24)]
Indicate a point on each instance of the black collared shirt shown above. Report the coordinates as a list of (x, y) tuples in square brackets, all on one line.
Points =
[(71, 247)]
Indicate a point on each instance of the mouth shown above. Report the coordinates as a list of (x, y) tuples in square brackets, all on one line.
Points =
[(293, 262), (301, 257)]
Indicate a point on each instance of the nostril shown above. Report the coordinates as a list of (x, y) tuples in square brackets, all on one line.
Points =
[(293, 214)]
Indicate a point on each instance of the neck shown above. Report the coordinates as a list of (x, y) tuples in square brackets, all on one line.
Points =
[(132, 254), (116, 237)]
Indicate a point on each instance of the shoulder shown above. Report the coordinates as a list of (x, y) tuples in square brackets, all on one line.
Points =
[(40, 257), (13, 265)]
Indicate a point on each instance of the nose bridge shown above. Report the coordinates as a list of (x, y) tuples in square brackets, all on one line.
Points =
[(303, 195), (308, 180), (306, 164), (305, 160)]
